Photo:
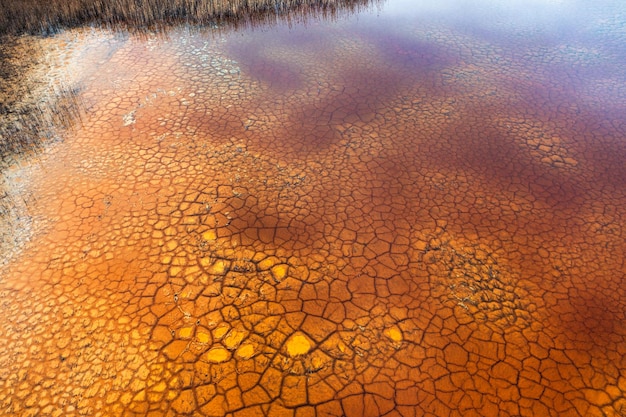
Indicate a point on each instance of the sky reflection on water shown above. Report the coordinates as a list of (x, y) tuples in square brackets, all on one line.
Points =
[(412, 210)]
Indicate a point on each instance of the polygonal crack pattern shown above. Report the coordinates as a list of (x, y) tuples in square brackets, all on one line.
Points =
[(287, 233)]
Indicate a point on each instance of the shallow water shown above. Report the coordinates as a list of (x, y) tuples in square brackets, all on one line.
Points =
[(412, 210)]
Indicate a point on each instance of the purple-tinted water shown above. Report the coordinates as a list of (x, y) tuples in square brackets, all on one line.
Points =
[(413, 210)]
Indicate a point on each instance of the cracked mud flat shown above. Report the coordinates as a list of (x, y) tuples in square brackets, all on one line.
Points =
[(324, 220)]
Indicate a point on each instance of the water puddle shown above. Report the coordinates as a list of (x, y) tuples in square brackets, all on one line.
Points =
[(387, 209)]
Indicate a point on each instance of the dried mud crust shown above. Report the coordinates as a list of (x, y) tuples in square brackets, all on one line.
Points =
[(470, 275), (213, 249)]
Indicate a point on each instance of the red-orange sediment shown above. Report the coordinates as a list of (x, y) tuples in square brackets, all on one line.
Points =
[(245, 228)]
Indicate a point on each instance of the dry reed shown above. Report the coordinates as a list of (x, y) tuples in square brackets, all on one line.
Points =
[(49, 16)]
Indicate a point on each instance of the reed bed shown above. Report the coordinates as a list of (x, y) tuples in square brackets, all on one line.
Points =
[(49, 16)]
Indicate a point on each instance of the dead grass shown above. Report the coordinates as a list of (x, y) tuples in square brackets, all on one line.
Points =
[(49, 16)]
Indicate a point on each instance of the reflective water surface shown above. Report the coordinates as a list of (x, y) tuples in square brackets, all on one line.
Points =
[(413, 210)]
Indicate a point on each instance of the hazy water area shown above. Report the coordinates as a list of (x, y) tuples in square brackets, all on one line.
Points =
[(387, 208)]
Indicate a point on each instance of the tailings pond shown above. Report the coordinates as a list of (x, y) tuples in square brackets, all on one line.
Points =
[(394, 209)]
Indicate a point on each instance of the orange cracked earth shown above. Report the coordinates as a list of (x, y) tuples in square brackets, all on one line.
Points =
[(349, 218)]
